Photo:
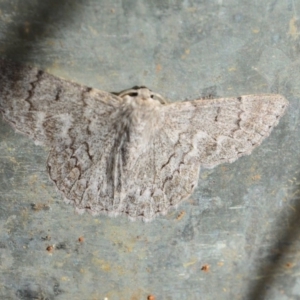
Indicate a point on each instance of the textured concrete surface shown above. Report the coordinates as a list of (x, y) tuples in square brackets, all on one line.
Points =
[(238, 236)]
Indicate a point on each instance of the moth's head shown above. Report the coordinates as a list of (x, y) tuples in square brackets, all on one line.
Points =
[(142, 93)]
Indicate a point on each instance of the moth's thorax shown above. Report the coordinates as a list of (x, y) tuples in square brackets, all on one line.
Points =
[(141, 108), (138, 120), (136, 124)]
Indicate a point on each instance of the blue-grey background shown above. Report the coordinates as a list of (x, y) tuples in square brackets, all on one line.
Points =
[(243, 220)]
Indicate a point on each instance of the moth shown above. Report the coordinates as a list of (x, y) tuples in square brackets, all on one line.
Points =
[(132, 153)]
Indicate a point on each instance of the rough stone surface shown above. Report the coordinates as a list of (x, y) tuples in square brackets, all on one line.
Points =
[(238, 235)]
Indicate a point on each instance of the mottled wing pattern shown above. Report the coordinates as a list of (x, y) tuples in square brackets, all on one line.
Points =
[(194, 134), (51, 110), (165, 175), (80, 125), (227, 128)]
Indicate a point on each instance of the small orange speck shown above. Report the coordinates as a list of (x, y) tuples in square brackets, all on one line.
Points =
[(81, 239), (205, 268), (150, 297), (180, 215), (50, 249), (158, 68), (256, 177)]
